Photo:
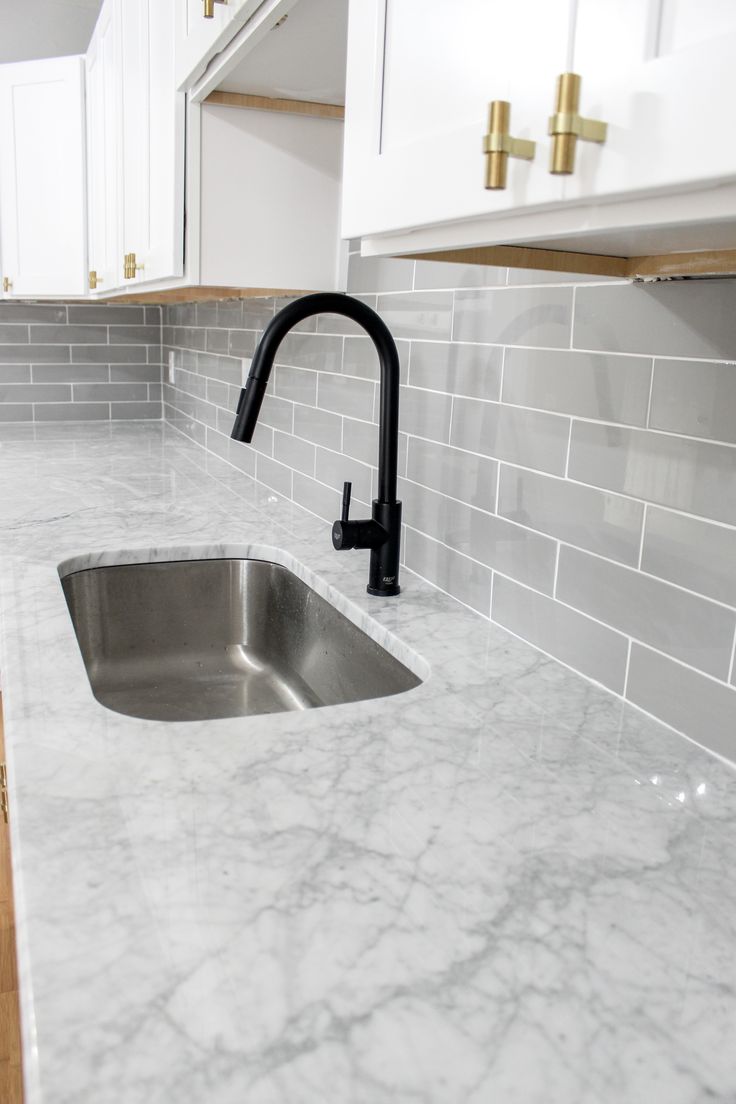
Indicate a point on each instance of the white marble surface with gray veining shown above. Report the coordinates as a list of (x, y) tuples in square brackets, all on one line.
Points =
[(504, 885)]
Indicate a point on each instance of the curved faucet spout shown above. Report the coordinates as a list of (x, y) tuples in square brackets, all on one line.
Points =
[(385, 533)]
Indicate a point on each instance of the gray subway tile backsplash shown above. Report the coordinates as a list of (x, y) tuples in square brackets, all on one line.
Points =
[(596, 650), (549, 439), (695, 398), (527, 437), (698, 477), (589, 385), (567, 443), (685, 626), (80, 361), (515, 316), (587, 518)]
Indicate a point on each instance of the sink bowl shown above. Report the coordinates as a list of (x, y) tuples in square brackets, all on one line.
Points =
[(194, 640)]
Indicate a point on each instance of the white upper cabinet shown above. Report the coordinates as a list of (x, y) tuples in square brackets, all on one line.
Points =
[(135, 122), (659, 72), (203, 27), (420, 76), (42, 177), (104, 86), (152, 147)]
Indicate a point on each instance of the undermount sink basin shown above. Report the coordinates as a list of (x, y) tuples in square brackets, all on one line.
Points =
[(200, 639)]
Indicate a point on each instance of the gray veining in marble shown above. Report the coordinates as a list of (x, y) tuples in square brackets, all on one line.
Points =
[(505, 885)]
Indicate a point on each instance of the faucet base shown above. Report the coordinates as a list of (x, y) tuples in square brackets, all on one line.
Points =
[(383, 572)]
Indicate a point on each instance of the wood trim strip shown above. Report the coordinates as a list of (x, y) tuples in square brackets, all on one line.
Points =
[(268, 103), (715, 262), (201, 294), (520, 256)]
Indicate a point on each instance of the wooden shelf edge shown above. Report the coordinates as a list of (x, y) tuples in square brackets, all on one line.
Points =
[(269, 103)]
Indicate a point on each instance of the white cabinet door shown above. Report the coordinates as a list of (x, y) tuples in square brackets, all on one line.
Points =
[(420, 76), (199, 39), (661, 73), (152, 147), (42, 177), (104, 183)]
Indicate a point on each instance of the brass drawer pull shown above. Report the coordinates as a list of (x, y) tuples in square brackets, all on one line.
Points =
[(498, 145), (209, 7), (567, 125)]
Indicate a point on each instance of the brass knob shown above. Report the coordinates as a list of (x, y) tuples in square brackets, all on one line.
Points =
[(209, 7), (94, 279), (567, 125), (7, 283), (498, 145)]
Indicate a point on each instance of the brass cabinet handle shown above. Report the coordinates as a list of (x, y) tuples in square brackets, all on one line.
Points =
[(498, 145), (209, 7), (94, 279), (7, 283), (130, 266), (567, 125)]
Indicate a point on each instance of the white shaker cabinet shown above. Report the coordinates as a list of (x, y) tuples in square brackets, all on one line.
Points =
[(203, 28), (135, 120), (42, 177), (104, 183), (659, 73), (152, 144), (420, 76)]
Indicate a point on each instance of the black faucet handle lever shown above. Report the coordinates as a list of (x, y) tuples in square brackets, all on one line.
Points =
[(347, 488)]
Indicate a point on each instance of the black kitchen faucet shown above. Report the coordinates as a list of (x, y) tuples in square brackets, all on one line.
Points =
[(382, 531)]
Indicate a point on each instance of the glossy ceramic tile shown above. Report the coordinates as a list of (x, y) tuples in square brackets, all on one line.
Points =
[(688, 701), (418, 314), (679, 319), (695, 398), (692, 553), (526, 437), (597, 651), (515, 316), (471, 370), (589, 385), (683, 625), (600, 522), (459, 474), (465, 579), (695, 476)]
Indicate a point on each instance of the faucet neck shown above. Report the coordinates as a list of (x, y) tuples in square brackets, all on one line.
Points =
[(331, 303)]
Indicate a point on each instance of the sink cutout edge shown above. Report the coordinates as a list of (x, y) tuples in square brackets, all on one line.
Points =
[(347, 607)]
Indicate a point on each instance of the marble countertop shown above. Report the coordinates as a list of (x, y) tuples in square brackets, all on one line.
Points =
[(505, 885)]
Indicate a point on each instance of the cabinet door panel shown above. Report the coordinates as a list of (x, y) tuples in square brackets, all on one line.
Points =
[(104, 191), (152, 142), (657, 71), (42, 176), (420, 76)]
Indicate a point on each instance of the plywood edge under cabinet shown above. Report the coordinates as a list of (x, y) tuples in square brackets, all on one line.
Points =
[(270, 103), (200, 295), (705, 263)]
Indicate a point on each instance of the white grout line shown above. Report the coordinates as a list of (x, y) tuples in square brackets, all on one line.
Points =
[(641, 541), (628, 665), (572, 316), (649, 400), (732, 668), (557, 569), (569, 446)]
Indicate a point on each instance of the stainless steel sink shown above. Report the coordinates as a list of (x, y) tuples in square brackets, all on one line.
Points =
[(199, 639)]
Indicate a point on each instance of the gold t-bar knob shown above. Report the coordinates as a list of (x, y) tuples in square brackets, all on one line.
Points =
[(567, 125), (209, 7), (7, 283), (498, 145)]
